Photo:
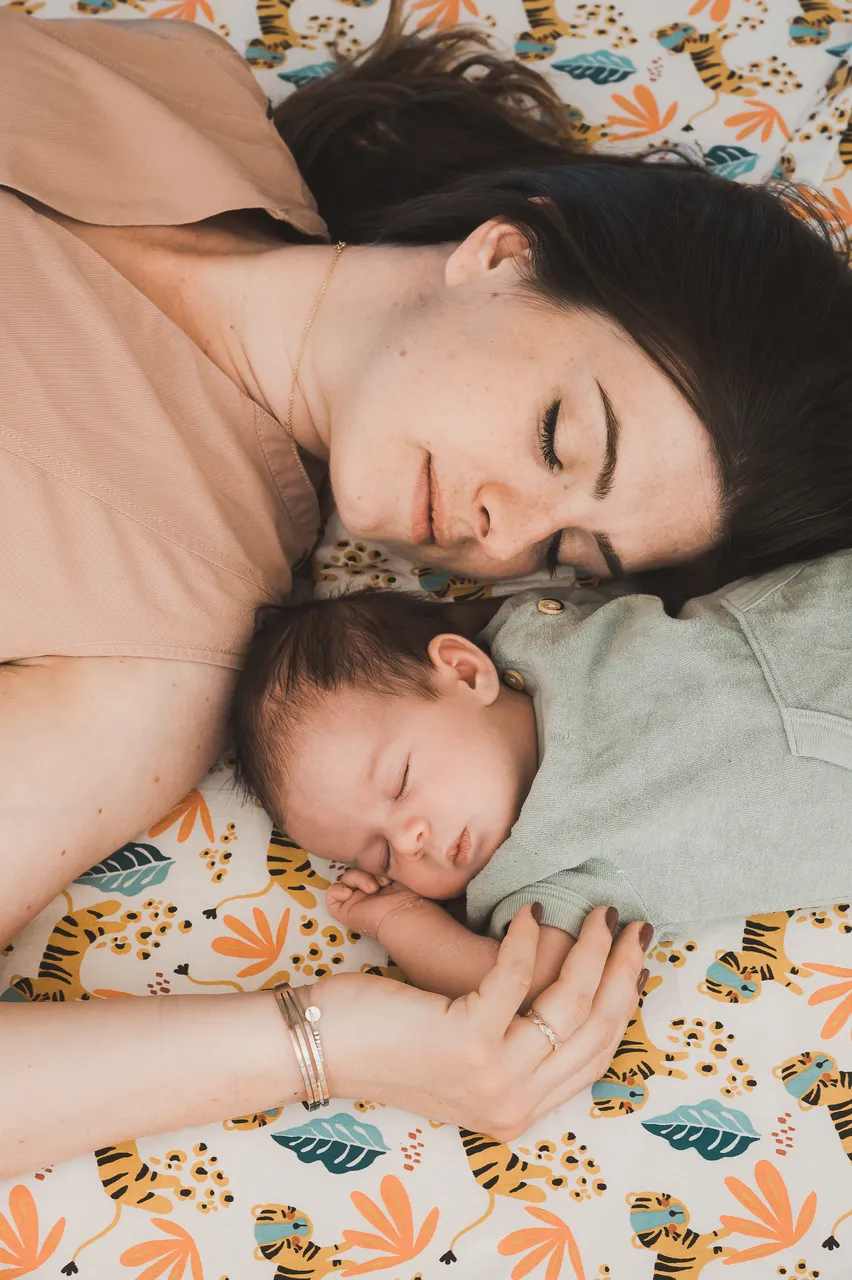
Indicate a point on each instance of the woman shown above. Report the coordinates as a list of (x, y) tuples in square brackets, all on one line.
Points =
[(592, 361)]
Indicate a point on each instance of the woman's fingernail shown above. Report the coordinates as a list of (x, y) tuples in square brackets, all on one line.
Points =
[(537, 910), (611, 919), (643, 978), (646, 933)]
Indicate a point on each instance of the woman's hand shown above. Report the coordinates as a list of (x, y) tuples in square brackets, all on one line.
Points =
[(361, 902), (473, 1061)]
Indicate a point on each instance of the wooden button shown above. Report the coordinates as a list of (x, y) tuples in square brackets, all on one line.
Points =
[(514, 680), (550, 606)]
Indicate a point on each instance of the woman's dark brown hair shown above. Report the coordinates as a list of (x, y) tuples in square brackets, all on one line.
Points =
[(410, 116)]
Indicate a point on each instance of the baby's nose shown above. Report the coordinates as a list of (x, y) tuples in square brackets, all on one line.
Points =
[(412, 837)]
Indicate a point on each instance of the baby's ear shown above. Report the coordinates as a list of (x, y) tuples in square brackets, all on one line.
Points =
[(461, 664)]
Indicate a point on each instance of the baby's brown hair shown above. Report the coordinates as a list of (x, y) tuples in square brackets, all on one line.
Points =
[(373, 639)]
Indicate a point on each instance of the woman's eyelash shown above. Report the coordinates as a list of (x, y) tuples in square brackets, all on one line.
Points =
[(551, 556), (401, 791), (547, 436)]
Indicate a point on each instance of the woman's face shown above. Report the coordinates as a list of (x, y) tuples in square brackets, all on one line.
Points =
[(491, 433)]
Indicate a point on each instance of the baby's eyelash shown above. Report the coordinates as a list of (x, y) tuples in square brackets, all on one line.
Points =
[(401, 791)]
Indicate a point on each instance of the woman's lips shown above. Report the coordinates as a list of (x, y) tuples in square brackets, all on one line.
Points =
[(421, 507), (436, 508)]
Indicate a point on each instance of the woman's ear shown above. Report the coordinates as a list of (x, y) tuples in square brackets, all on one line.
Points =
[(461, 665), (494, 246)]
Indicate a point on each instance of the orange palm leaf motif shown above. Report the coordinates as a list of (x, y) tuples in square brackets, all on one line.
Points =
[(260, 947), (186, 11), (161, 1254), (550, 1242), (396, 1236), (643, 116), (19, 1237), (774, 1214), (841, 991), (191, 807), (842, 207), (718, 9), (443, 13), (760, 115)]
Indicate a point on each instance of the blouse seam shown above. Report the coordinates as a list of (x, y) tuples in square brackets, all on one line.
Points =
[(259, 415), (167, 533), (131, 650)]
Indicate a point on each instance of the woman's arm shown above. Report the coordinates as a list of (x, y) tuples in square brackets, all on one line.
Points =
[(75, 1077), (78, 1076), (93, 751)]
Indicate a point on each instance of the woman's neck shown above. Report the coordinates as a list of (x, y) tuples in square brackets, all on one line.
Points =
[(254, 303)]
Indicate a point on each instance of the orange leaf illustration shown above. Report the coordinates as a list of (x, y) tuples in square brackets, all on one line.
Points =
[(833, 991), (774, 1214), (185, 10), (718, 9), (551, 1242), (162, 1254), (396, 1227), (643, 116), (760, 115), (260, 947), (842, 206), (19, 1238), (191, 807), (443, 13)]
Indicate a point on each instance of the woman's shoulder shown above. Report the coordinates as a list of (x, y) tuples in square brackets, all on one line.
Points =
[(139, 123)]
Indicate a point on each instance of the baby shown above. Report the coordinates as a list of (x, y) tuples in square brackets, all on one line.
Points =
[(578, 752)]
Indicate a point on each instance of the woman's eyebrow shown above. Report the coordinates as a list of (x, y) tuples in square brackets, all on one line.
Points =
[(603, 484)]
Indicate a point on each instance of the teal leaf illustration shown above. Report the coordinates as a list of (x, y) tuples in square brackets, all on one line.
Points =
[(12, 996), (730, 162), (304, 75), (129, 870), (341, 1143), (839, 50), (600, 66), (433, 579), (711, 1129)]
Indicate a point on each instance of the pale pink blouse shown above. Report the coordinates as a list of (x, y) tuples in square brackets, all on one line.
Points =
[(146, 504)]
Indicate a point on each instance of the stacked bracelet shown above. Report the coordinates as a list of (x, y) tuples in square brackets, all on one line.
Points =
[(305, 1037)]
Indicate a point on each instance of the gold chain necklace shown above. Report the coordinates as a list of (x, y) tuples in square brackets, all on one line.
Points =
[(339, 247)]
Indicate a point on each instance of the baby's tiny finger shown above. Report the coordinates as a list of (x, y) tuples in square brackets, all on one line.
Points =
[(358, 879)]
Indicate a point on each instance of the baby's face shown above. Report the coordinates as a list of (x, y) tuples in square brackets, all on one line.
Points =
[(421, 791)]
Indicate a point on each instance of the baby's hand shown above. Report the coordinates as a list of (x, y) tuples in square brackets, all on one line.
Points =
[(361, 901)]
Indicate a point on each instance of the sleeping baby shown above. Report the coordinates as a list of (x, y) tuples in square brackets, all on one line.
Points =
[(578, 753)]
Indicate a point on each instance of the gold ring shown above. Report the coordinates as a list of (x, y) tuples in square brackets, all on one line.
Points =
[(544, 1028)]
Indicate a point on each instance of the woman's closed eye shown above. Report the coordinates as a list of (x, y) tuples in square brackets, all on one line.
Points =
[(547, 436)]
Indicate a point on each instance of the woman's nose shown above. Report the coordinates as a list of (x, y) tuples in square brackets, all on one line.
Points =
[(410, 837), (511, 524)]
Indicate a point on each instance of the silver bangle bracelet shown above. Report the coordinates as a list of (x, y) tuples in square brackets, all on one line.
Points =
[(312, 1015), (307, 1046)]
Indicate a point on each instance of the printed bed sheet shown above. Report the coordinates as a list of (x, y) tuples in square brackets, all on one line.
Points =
[(722, 1133)]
